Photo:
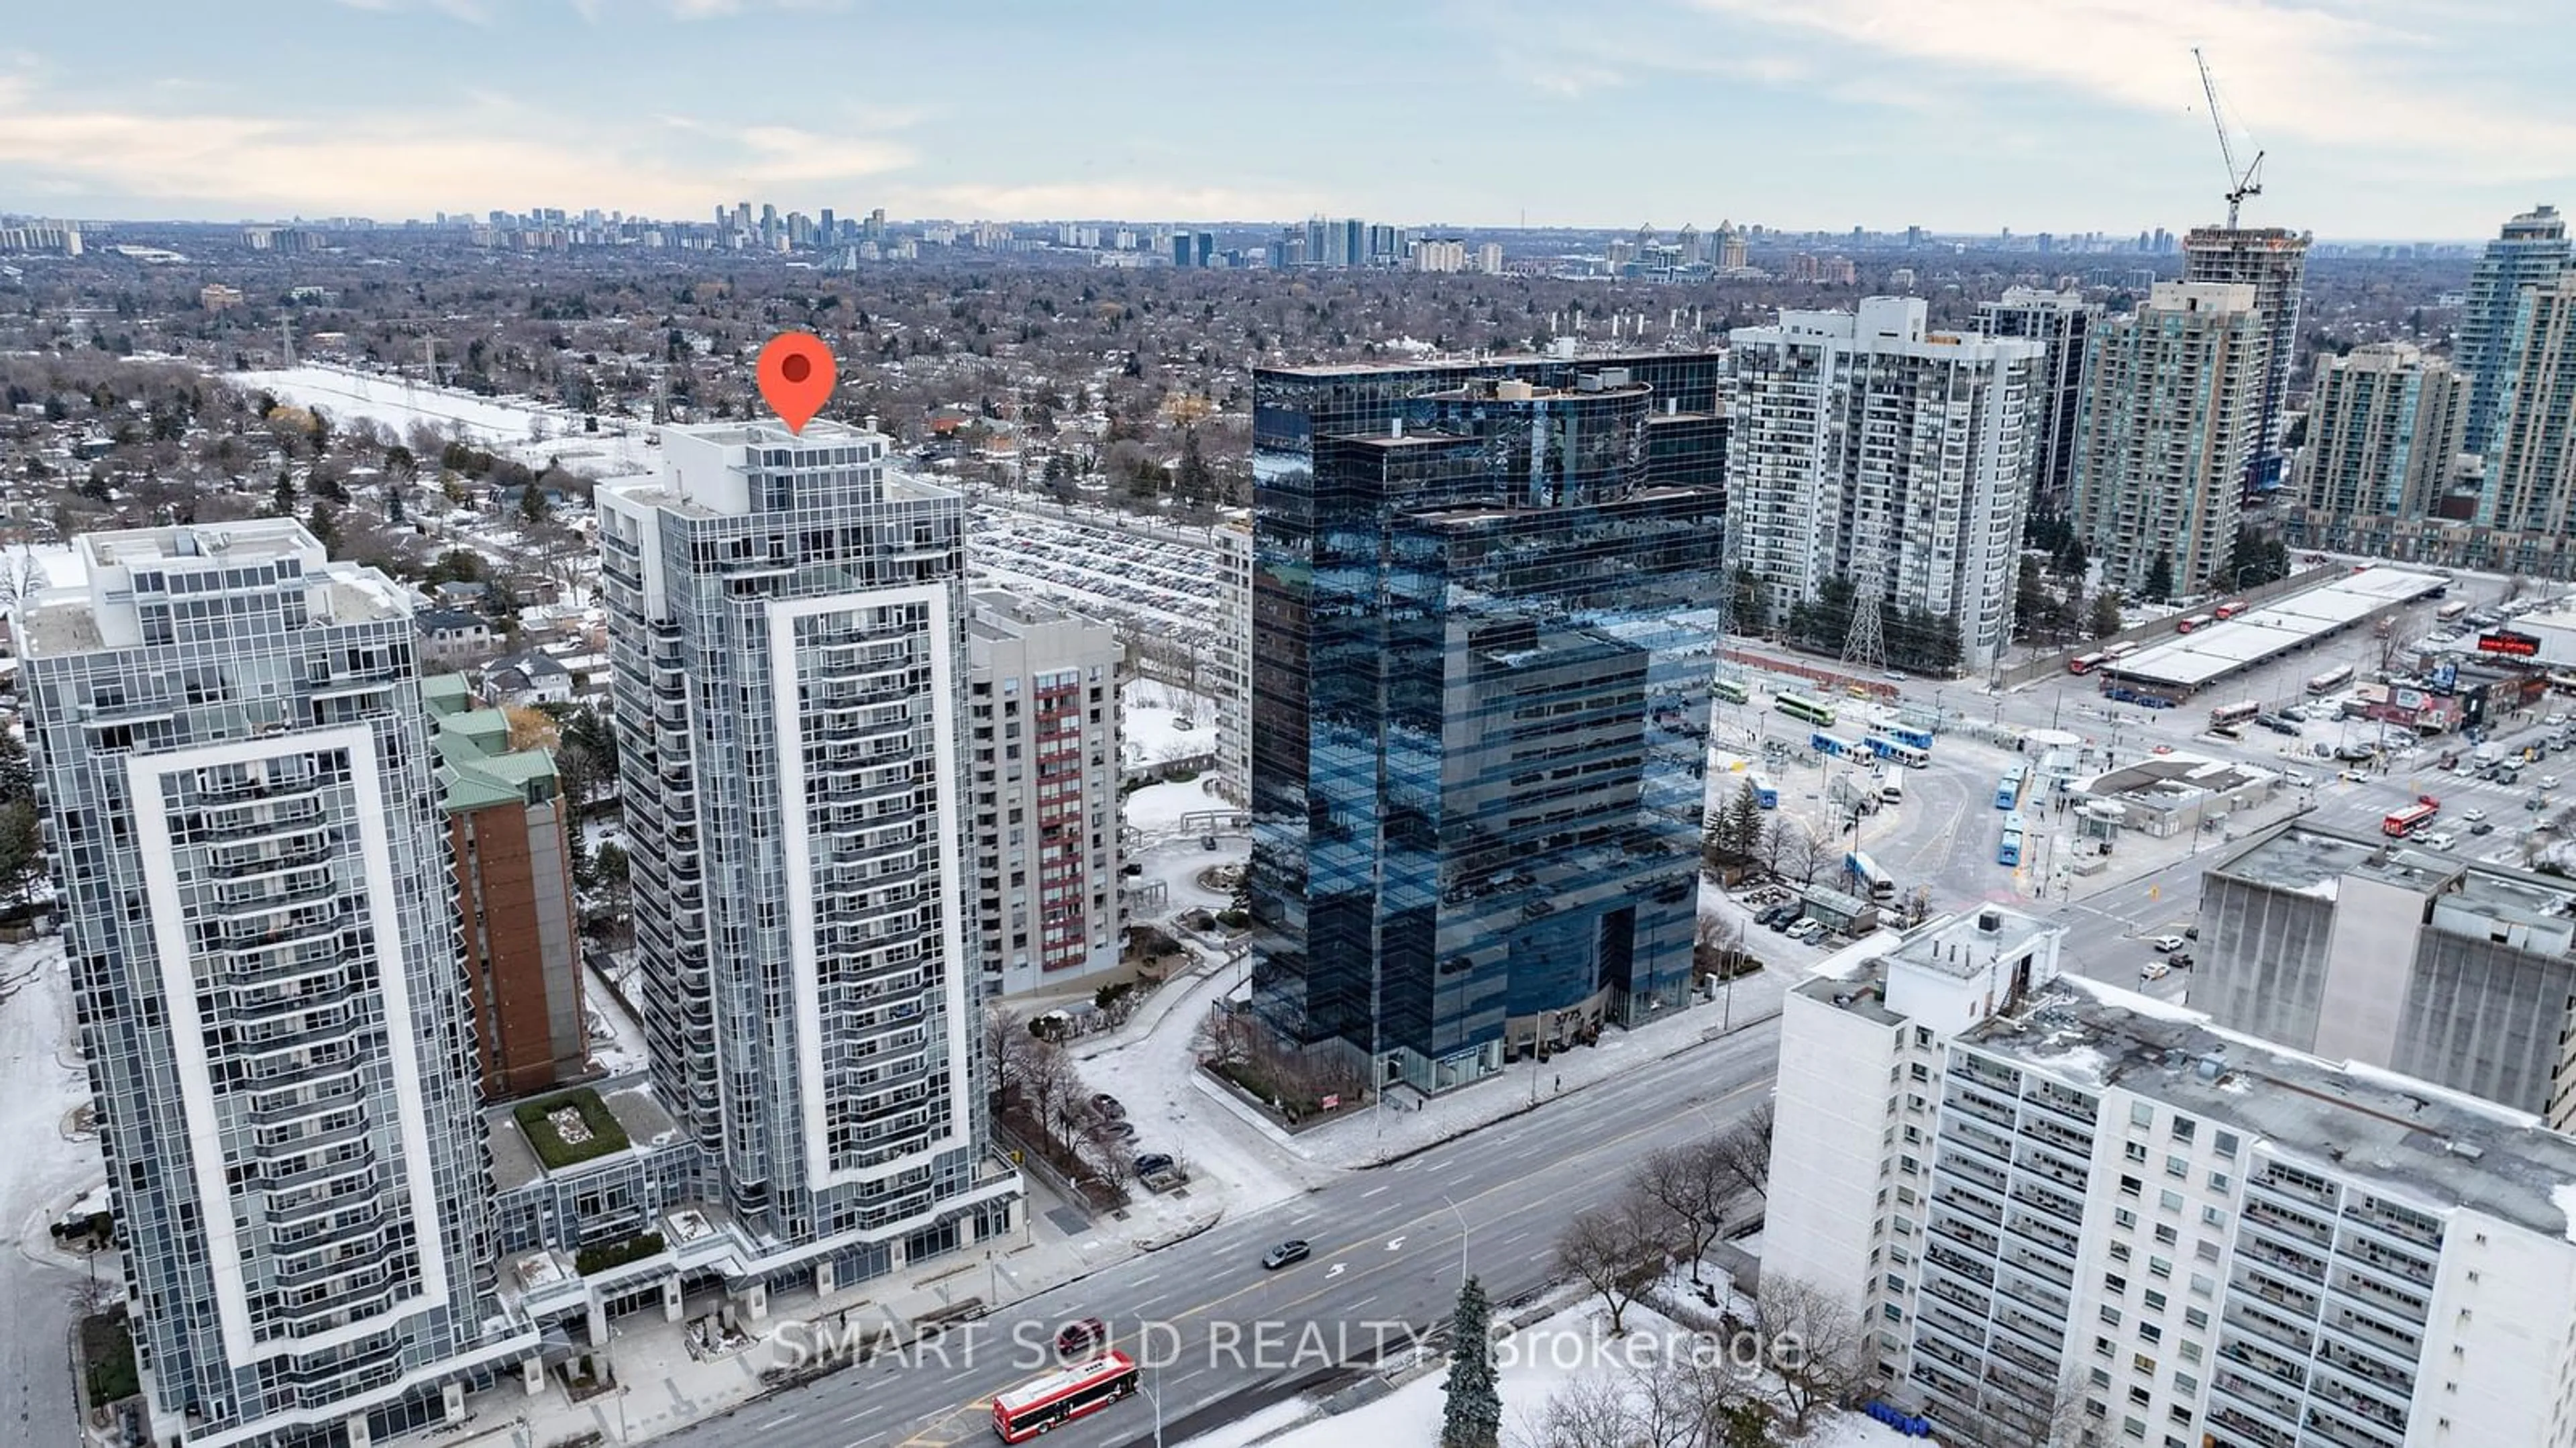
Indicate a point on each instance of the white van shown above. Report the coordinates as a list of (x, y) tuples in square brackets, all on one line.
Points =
[(1891, 787)]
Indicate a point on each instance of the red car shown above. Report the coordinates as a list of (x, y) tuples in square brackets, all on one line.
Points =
[(2428, 799), (1075, 1339)]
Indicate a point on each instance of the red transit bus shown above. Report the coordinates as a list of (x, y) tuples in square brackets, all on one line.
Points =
[(2407, 821), (1032, 1408), (2086, 663), (2229, 609)]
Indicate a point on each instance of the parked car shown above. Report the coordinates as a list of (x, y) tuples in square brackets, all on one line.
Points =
[(2473, 815), (1807, 931), (2482, 828), (2549, 781), (2191, 932), (2155, 970), (1106, 1106), (1113, 1131), (1152, 1162), (2180, 960), (1782, 924), (1296, 1249), (1077, 1338), (2166, 944)]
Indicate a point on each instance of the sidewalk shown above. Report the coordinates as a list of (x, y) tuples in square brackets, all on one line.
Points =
[(663, 1386)]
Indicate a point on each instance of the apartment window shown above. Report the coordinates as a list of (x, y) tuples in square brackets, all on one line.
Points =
[(2136, 1151), (2190, 1351), (2187, 1385), (2213, 1217), (2114, 1283), (2167, 1235), (2119, 1251), (2130, 1186), (2099, 1378), (2170, 1201), (2110, 1315), (2143, 1364), (2102, 1347), (2218, 1181), (2150, 1334), (2177, 1166), (2182, 1128), (2141, 1397), (2225, 1141), (2125, 1219), (2141, 1114)]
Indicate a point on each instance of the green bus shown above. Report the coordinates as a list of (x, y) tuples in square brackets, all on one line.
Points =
[(1799, 706)]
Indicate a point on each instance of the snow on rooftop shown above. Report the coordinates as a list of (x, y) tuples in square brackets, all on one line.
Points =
[(2564, 1198)]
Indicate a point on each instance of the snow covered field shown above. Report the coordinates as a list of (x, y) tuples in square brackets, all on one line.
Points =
[(522, 428), (1158, 723)]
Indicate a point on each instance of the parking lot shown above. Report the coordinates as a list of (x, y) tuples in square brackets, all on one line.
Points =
[(1150, 581)]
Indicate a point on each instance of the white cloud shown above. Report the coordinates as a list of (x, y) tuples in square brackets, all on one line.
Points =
[(2340, 73), (395, 164)]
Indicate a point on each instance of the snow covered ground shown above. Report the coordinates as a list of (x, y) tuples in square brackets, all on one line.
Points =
[(522, 428), (43, 1083), (1158, 722), (616, 1041), (1367, 1137), (1531, 1367), (1157, 808), (1149, 1066)]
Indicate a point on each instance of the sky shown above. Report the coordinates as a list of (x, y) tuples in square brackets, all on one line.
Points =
[(2378, 119)]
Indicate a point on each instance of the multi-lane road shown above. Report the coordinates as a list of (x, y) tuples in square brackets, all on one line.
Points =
[(1227, 1337)]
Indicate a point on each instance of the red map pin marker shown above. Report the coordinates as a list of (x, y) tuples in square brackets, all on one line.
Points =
[(796, 377)]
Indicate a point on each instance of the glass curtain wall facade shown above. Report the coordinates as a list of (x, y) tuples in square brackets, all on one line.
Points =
[(1485, 621), (262, 939), (788, 644), (2531, 252)]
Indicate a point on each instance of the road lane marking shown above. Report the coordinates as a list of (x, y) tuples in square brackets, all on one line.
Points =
[(779, 1421), (1544, 1205), (1373, 1191), (1395, 1244)]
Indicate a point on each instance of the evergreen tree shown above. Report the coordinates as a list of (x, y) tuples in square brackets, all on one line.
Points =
[(2105, 619), (285, 494), (1474, 1415), (2160, 578), (1744, 824)]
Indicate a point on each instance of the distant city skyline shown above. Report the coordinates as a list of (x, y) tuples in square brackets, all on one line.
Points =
[(2380, 121)]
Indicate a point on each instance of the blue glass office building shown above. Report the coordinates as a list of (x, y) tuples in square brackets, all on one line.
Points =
[(1485, 613)]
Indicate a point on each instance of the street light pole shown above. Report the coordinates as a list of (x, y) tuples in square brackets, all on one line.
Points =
[(1462, 1240)]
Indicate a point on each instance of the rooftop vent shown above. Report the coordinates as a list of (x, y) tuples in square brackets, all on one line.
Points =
[(1990, 922), (2210, 1068), (2469, 1149)]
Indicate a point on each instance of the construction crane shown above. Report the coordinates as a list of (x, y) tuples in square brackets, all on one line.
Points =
[(2240, 184)]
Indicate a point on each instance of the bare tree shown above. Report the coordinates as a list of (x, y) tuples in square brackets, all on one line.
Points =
[(1615, 1249), (1590, 1411), (1681, 1396), (1743, 1151), (1812, 1340), (1800, 851), (1690, 1185)]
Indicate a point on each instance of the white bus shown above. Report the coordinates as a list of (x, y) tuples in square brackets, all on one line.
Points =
[(1891, 787), (2330, 680)]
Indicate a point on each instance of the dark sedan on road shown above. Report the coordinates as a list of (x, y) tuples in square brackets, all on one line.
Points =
[(1295, 1250)]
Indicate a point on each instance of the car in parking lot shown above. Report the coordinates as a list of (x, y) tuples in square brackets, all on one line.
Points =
[(1781, 922), (1106, 1106), (2166, 944), (2473, 815), (2155, 970), (1151, 1162), (1807, 932), (2482, 828), (1113, 1131), (2549, 781), (1295, 1249)]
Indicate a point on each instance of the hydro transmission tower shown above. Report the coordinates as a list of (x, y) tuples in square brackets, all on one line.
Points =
[(1865, 641)]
